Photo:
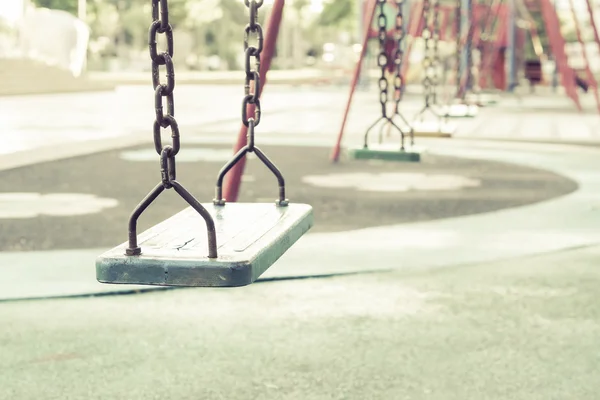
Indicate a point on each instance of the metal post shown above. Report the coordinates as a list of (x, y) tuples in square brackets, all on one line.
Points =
[(511, 46), (234, 177)]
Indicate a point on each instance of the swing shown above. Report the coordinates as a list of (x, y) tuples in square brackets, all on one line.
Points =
[(437, 127), (214, 244), (389, 151)]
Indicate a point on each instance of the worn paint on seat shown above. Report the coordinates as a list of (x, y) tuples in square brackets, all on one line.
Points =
[(250, 238)]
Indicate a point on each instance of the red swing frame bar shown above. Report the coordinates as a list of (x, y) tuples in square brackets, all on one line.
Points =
[(557, 44), (593, 22), (584, 54)]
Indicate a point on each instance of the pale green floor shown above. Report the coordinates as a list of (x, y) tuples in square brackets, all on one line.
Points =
[(525, 329)]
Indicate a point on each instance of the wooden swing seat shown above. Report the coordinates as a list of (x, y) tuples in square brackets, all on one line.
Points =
[(250, 238)]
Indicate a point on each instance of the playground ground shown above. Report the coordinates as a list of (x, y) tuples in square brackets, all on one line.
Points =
[(469, 276)]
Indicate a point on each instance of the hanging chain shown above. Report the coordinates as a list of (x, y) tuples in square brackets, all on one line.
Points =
[(399, 54), (382, 58), (252, 80), (436, 53), (167, 152), (251, 104), (459, 34), (469, 44), (427, 63)]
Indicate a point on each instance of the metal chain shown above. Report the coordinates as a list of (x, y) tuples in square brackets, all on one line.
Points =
[(252, 80), (251, 102), (160, 8), (458, 20), (469, 43), (488, 39), (167, 152), (427, 62), (382, 58), (436, 52), (399, 54), (468, 79)]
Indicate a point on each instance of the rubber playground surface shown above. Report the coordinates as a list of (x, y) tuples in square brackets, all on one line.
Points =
[(476, 278), (85, 202)]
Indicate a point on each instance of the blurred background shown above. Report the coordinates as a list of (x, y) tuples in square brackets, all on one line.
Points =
[(96, 38)]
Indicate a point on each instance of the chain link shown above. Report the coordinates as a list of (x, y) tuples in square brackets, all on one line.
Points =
[(469, 44), (465, 76), (161, 26), (160, 8), (436, 51), (458, 20), (399, 54), (251, 102), (382, 58), (252, 69), (427, 62)]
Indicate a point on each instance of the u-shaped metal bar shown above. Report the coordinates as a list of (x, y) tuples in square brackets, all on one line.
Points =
[(427, 107), (411, 133), (387, 121), (135, 250), (236, 158)]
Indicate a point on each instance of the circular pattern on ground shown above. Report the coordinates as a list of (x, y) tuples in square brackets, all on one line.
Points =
[(392, 181), (31, 205), (108, 176)]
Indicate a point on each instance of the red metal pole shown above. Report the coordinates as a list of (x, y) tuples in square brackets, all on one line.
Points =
[(233, 179), (499, 77), (593, 22), (584, 53), (335, 155), (557, 43), (490, 49)]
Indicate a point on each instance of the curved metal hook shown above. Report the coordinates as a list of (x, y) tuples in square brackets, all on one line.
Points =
[(135, 250), (387, 122), (220, 201)]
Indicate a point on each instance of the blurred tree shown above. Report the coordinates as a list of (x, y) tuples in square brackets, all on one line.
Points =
[(216, 25), (222, 34), (65, 5), (339, 13), (336, 17)]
